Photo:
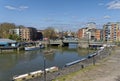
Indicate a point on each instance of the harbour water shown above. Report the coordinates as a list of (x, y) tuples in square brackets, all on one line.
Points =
[(28, 61)]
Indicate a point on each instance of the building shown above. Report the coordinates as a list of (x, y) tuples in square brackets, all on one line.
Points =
[(118, 36), (111, 32), (98, 34), (28, 34), (106, 32), (82, 33), (15, 31), (39, 35), (7, 43), (89, 33)]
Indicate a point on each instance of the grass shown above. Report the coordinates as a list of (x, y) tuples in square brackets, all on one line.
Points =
[(69, 76)]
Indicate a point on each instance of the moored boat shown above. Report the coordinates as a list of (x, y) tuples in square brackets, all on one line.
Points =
[(48, 52), (32, 48)]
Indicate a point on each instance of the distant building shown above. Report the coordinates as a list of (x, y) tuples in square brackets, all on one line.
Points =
[(118, 36), (7, 42), (98, 34), (89, 33), (28, 34), (15, 31), (111, 32), (39, 35), (82, 33)]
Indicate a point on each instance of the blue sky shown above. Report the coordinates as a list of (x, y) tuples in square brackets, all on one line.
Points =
[(62, 14)]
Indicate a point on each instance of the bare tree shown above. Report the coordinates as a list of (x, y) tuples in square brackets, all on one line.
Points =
[(4, 29), (50, 33)]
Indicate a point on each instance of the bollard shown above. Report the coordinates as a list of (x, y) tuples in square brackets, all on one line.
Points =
[(82, 66), (94, 60)]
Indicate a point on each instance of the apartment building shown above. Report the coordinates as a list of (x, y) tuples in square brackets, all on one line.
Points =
[(98, 34), (82, 33), (39, 35), (111, 32), (118, 36), (15, 31), (91, 34), (28, 34)]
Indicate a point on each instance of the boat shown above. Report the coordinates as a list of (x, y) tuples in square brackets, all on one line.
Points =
[(48, 52), (32, 48)]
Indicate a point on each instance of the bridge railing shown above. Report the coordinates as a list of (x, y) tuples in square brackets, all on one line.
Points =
[(72, 41), (55, 41)]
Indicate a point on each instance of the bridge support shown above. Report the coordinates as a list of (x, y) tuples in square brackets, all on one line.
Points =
[(66, 44), (61, 43), (83, 45)]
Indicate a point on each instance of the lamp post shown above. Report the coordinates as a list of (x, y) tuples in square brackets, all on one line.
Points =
[(93, 60), (88, 41), (44, 68)]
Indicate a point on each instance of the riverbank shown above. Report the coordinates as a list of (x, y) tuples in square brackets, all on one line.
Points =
[(91, 61), (104, 70)]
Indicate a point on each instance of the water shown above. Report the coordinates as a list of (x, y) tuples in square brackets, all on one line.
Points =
[(28, 61)]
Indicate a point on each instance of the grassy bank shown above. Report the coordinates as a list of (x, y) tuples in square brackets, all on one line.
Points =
[(69, 76)]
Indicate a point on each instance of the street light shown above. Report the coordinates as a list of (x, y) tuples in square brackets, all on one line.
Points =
[(93, 60), (44, 68), (88, 41)]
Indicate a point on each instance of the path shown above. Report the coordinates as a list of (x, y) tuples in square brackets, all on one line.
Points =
[(104, 71)]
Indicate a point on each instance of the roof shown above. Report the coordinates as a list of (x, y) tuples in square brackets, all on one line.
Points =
[(7, 41)]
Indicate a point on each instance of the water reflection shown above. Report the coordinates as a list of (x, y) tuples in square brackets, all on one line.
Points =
[(24, 62)]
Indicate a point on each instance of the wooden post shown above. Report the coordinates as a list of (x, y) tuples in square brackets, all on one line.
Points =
[(0, 50)]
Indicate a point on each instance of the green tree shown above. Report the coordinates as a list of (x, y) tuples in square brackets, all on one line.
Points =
[(14, 37)]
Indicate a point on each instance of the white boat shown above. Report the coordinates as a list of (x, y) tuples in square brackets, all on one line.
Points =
[(32, 48), (29, 48), (48, 52)]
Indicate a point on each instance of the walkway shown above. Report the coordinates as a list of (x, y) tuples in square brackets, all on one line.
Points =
[(104, 71)]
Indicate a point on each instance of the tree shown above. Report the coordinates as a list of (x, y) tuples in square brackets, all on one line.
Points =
[(14, 37), (4, 29), (50, 33)]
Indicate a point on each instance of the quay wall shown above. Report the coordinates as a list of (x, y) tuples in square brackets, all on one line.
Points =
[(10, 49)]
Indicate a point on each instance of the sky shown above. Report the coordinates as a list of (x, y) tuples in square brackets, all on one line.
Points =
[(61, 14)]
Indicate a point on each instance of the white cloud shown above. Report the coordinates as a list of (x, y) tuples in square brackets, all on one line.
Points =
[(113, 4), (10, 7), (106, 17), (23, 7), (20, 8)]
